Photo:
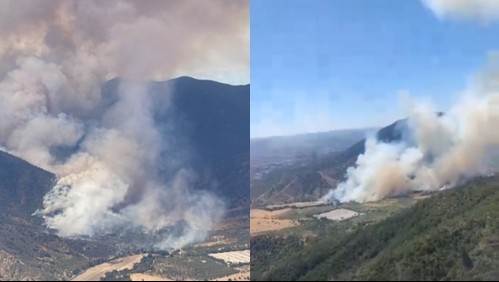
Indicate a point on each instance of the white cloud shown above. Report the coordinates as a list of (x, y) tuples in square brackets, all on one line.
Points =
[(476, 10)]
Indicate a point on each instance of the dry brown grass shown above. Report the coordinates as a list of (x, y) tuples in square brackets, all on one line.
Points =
[(146, 277), (267, 221), (95, 273), (243, 275)]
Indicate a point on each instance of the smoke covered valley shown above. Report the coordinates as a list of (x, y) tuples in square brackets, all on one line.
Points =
[(92, 195), (209, 161), (129, 153)]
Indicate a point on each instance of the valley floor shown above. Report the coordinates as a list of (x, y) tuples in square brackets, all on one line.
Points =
[(223, 256)]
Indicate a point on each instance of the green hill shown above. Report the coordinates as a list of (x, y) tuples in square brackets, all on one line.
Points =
[(453, 235)]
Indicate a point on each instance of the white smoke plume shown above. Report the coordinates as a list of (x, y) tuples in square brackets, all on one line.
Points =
[(55, 56), (436, 151), (483, 11)]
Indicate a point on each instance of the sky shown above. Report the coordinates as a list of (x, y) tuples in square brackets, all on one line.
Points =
[(325, 65)]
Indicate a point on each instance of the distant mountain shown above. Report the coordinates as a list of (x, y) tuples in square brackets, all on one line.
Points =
[(206, 124), (214, 117), (284, 148), (218, 114)]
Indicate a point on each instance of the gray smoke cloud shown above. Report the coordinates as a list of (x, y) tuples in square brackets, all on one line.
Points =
[(436, 151), (54, 58)]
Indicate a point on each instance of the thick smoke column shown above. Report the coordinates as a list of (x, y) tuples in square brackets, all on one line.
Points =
[(55, 57), (436, 151)]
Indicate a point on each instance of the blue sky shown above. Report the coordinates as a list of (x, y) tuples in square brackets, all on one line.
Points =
[(322, 65)]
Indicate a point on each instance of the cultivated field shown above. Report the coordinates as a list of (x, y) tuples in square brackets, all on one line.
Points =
[(235, 257), (265, 221), (95, 273), (243, 275), (145, 277), (337, 214)]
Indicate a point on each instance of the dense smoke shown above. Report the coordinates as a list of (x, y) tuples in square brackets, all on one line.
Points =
[(436, 152), (54, 58)]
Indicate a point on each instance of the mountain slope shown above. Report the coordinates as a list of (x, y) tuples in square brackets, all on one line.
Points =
[(450, 236), (22, 186), (215, 117), (206, 124), (27, 250)]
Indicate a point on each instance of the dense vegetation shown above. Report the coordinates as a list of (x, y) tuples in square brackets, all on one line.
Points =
[(453, 235)]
